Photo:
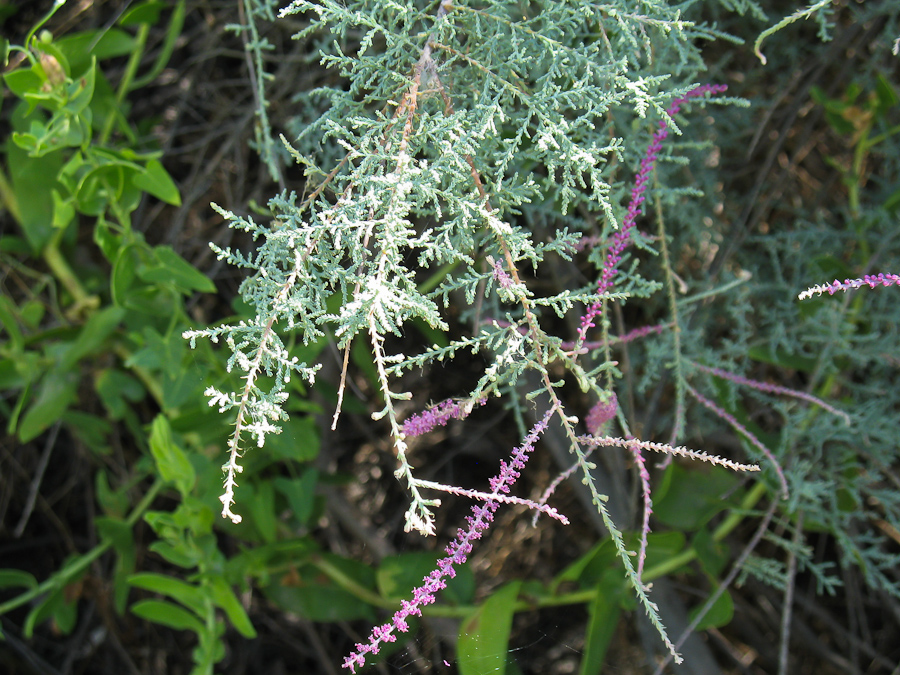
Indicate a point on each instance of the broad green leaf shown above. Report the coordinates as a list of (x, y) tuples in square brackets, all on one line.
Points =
[(714, 556), (80, 48), (320, 602), (299, 492), (260, 505), (189, 595), (56, 392), (484, 634), (310, 592), (145, 12), (225, 598), (114, 503), (124, 272), (92, 430), (155, 180), (298, 440), (117, 389), (694, 496), (398, 575), (177, 555), (92, 336), (167, 614), (12, 578), (31, 313), (588, 569), (23, 81), (171, 461), (720, 614), (33, 179), (171, 268), (661, 546), (604, 611), (10, 375)]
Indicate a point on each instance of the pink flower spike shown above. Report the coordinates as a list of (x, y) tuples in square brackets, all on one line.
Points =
[(457, 552), (850, 284), (622, 238), (439, 415)]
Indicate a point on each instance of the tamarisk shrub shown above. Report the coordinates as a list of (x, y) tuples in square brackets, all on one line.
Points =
[(483, 140)]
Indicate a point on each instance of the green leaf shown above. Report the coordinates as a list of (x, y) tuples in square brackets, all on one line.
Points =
[(54, 606), (261, 509), (171, 461), (167, 614), (298, 440), (720, 614), (171, 268), (310, 592), (588, 569), (145, 12), (92, 336), (398, 575), (23, 81), (117, 389), (81, 91), (604, 612), (780, 357), (187, 594), (81, 48), (177, 555), (694, 496), (300, 493), (484, 634), (711, 554), (155, 180), (119, 533), (225, 598), (8, 312), (885, 94), (57, 391), (320, 602), (33, 179), (12, 578), (114, 503), (63, 210)]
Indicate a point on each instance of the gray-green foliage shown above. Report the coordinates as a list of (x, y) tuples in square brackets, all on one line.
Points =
[(451, 123), (470, 138)]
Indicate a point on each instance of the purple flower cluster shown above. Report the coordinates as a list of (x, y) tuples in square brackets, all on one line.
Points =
[(601, 413), (502, 276), (774, 389), (457, 551), (622, 237), (870, 280), (439, 415), (648, 504)]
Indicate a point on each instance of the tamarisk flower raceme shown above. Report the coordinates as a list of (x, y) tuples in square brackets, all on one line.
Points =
[(870, 280), (621, 239), (457, 551), (774, 389), (438, 416), (601, 413)]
